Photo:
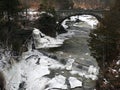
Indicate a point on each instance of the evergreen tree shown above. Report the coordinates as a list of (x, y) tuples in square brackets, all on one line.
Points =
[(9, 9)]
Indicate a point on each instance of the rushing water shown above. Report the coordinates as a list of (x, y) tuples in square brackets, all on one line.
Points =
[(31, 72), (77, 46)]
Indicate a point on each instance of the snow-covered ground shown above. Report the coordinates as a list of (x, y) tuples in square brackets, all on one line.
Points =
[(33, 71), (33, 68)]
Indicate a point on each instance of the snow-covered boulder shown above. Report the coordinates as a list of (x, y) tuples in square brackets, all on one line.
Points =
[(43, 41), (93, 70)]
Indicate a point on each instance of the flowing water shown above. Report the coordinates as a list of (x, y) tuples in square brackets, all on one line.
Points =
[(34, 66), (77, 46)]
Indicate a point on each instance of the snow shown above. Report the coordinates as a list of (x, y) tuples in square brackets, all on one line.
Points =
[(32, 14), (69, 64), (118, 62), (119, 70), (93, 70), (34, 74), (74, 18), (85, 21), (91, 20), (27, 70), (105, 81), (44, 12), (38, 84), (64, 24), (30, 72), (57, 82), (84, 74), (86, 53), (36, 31), (43, 41), (74, 82)]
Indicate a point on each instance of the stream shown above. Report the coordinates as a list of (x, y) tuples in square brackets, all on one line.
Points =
[(68, 67), (76, 46)]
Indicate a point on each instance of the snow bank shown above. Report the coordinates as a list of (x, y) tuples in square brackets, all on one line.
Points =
[(32, 69), (74, 82), (84, 74), (93, 70), (69, 64), (29, 71), (44, 12), (64, 23), (91, 20), (57, 82), (85, 21), (43, 41)]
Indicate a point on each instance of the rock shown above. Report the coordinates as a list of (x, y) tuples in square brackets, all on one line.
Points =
[(22, 86), (46, 24), (38, 61), (63, 61), (53, 57), (60, 29)]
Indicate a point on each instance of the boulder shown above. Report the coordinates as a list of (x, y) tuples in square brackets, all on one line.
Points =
[(47, 25)]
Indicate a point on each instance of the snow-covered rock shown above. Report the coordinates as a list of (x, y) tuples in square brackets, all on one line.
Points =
[(32, 73), (29, 71), (64, 24), (86, 74), (74, 82), (33, 69), (93, 70), (43, 41), (85, 21), (118, 62), (69, 64), (57, 82)]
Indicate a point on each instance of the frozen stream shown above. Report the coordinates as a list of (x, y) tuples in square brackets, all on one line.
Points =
[(69, 67)]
